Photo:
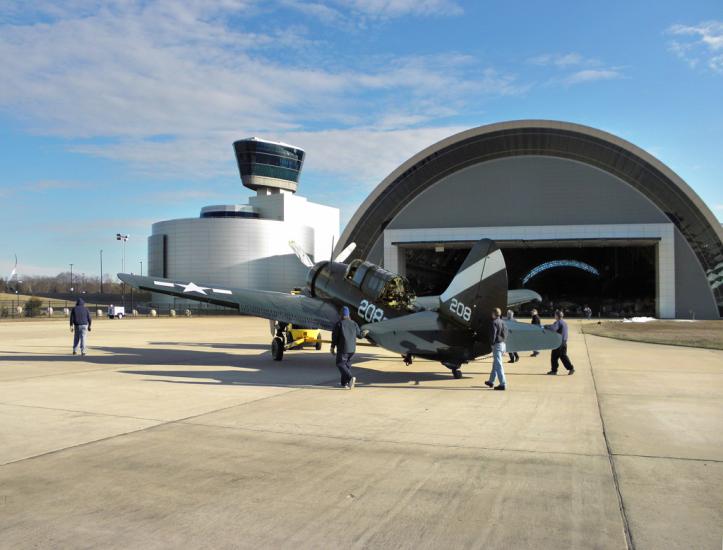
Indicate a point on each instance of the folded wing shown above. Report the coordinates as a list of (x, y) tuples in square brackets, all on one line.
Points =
[(278, 306)]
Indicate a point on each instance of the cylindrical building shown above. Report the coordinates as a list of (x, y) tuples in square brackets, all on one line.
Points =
[(246, 245)]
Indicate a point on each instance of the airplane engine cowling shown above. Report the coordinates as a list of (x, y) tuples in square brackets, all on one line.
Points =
[(379, 285)]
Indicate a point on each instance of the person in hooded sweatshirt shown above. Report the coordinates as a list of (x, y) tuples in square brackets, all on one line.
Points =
[(343, 345), (80, 321)]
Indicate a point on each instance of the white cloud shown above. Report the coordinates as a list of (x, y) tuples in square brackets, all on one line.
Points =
[(592, 75), (560, 59), (584, 69), (365, 155), (699, 44), (355, 14), (167, 85), (398, 8)]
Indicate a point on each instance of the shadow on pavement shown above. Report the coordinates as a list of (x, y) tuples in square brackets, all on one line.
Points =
[(297, 369)]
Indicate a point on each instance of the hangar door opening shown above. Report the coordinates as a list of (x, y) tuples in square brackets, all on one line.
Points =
[(614, 277)]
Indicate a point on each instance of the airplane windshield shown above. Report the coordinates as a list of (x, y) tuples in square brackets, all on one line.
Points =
[(351, 270)]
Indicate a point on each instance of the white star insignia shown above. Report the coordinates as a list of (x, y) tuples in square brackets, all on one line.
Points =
[(193, 287)]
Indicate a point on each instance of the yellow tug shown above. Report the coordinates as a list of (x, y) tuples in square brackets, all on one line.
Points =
[(288, 337)]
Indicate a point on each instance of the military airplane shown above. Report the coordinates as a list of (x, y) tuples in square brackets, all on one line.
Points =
[(452, 328)]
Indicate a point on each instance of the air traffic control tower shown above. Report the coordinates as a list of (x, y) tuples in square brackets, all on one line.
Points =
[(246, 245), (268, 167)]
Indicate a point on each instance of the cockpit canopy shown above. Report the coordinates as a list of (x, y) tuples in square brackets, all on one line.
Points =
[(379, 285)]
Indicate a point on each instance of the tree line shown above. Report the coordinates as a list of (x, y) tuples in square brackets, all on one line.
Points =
[(60, 283)]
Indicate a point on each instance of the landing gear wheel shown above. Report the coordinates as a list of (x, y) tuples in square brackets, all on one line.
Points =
[(318, 343), (277, 348), (407, 359), (457, 373)]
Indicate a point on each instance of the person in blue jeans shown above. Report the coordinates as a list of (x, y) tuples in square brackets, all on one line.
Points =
[(343, 345), (80, 321), (498, 337)]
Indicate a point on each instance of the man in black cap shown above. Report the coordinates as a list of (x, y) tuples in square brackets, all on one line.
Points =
[(80, 321), (343, 345)]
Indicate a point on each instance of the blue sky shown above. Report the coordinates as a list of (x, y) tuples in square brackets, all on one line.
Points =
[(114, 115)]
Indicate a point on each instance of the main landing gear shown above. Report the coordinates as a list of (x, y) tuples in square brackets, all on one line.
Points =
[(454, 367)]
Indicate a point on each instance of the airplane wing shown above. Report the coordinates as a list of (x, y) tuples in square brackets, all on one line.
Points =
[(278, 306), (528, 337)]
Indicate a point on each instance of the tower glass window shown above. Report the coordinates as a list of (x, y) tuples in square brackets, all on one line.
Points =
[(267, 165)]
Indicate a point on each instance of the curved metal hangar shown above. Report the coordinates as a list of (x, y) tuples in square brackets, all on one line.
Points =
[(583, 217)]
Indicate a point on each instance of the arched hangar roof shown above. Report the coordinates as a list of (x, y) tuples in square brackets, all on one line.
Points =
[(652, 178)]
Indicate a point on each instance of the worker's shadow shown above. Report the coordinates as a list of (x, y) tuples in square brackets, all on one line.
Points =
[(307, 368), (297, 369)]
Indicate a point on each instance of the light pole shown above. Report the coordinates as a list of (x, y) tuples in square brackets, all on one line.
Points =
[(101, 271), (71, 277), (141, 267), (123, 239)]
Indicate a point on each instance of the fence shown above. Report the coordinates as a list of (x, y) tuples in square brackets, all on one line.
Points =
[(57, 309)]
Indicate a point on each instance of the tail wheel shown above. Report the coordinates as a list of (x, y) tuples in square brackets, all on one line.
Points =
[(277, 348), (457, 373), (318, 343)]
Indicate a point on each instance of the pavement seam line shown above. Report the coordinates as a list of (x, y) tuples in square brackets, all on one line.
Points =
[(387, 441), (90, 413), (147, 428), (616, 482), (713, 460), (52, 374)]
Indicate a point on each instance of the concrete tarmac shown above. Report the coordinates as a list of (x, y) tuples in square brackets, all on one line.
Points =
[(184, 433)]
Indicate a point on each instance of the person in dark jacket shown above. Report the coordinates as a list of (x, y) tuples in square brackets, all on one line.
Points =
[(80, 322), (343, 345), (560, 326), (498, 336), (535, 320)]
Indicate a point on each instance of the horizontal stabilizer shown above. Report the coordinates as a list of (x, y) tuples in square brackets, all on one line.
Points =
[(514, 298), (521, 296), (417, 333)]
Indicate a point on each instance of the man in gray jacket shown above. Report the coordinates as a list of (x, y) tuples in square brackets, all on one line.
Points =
[(498, 336), (343, 345)]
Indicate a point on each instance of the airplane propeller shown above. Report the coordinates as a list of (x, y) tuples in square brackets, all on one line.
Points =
[(344, 254), (303, 256)]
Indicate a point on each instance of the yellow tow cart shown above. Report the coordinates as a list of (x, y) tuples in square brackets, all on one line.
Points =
[(293, 337)]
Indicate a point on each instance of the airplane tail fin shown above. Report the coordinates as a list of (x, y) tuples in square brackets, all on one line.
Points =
[(479, 286)]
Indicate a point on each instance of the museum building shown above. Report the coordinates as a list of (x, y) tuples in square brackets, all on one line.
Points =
[(582, 217), (247, 245)]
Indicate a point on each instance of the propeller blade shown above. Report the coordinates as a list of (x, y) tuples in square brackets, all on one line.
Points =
[(344, 254), (301, 254), (14, 272)]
